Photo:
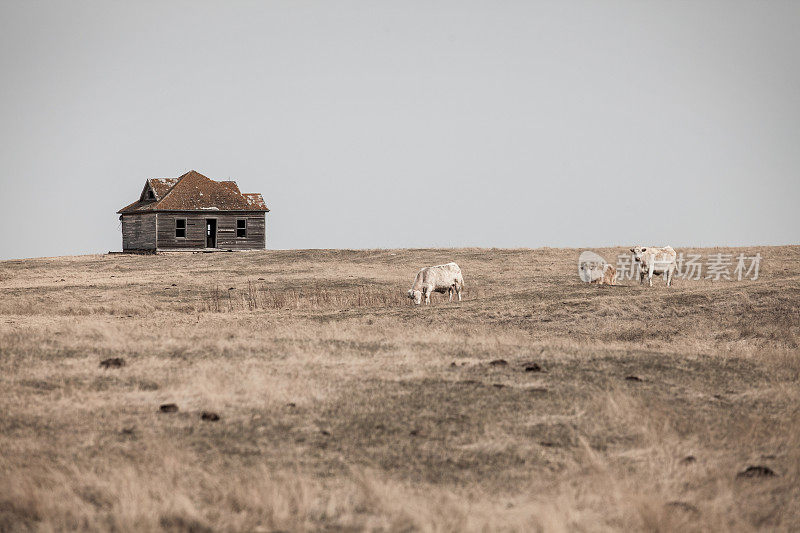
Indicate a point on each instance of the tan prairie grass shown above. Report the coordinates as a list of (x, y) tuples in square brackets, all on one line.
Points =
[(344, 407), (259, 296)]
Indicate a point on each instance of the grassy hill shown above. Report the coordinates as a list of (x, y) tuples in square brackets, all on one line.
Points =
[(537, 403)]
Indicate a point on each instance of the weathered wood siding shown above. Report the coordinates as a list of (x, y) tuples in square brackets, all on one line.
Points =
[(226, 231), (256, 232), (139, 232), (195, 232)]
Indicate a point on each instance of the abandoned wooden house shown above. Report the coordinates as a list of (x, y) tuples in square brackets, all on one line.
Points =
[(193, 212)]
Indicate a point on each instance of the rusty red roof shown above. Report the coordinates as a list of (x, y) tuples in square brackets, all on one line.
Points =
[(194, 192), (255, 200), (161, 186), (231, 185)]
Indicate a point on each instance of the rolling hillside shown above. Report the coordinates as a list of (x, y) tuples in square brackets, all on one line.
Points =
[(537, 403)]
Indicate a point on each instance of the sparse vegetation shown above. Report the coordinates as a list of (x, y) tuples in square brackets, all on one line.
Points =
[(317, 397)]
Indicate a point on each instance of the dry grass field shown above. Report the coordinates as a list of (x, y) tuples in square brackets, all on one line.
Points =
[(539, 403)]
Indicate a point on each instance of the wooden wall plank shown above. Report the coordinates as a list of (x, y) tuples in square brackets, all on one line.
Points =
[(139, 232), (226, 230)]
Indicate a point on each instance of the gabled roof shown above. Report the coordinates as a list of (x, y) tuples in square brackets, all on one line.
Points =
[(195, 192), (161, 186)]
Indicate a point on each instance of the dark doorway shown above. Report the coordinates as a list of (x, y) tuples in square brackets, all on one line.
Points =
[(211, 233)]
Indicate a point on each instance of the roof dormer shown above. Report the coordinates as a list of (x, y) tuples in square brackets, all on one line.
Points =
[(148, 194)]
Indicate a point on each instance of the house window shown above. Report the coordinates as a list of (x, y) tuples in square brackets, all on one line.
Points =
[(150, 195), (180, 228), (241, 227)]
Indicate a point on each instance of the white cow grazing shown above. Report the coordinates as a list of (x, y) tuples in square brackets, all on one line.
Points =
[(440, 278), (655, 261)]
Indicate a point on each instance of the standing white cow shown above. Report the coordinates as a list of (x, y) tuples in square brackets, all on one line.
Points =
[(655, 261), (440, 278)]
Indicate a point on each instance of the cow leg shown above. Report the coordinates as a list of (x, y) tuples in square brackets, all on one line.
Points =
[(458, 291), (669, 275), (427, 295), (650, 276), (450, 294)]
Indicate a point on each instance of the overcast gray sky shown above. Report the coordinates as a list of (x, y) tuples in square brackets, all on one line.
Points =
[(408, 124)]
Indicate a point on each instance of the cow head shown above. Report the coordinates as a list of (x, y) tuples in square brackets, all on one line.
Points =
[(637, 252), (415, 295)]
